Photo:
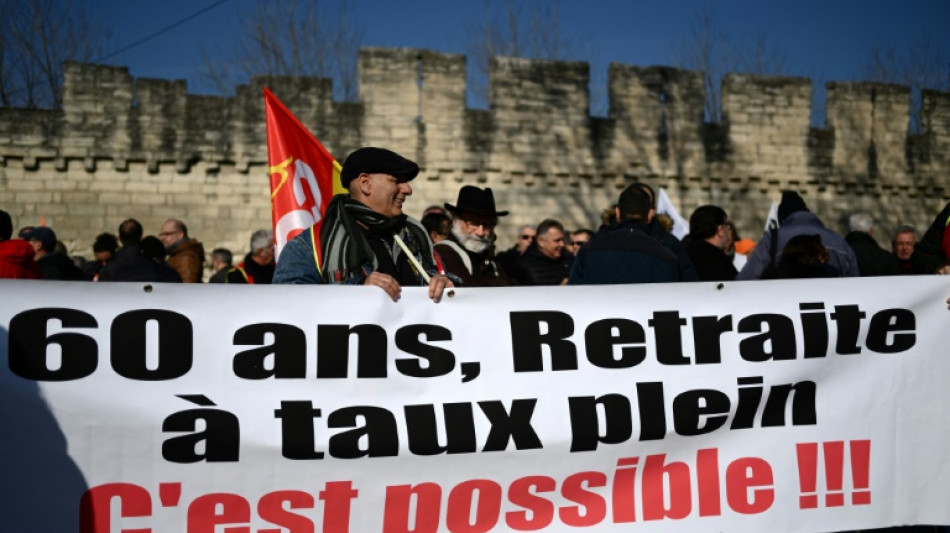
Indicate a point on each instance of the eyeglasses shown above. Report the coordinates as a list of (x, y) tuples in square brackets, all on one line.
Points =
[(526, 237)]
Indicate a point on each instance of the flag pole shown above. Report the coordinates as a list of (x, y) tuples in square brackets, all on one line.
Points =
[(415, 262)]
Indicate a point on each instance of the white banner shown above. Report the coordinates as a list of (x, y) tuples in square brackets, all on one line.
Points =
[(810, 405)]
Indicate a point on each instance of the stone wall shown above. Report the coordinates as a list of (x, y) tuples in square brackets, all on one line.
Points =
[(147, 149)]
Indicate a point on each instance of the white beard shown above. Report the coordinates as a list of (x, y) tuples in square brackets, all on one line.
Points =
[(472, 243)]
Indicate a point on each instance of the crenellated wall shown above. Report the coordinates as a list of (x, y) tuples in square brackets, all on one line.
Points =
[(147, 149)]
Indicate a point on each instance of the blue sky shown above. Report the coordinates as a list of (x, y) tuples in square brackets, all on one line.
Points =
[(829, 39)]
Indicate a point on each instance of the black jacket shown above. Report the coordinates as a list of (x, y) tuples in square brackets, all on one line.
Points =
[(535, 268), (872, 259), (55, 265), (624, 253), (711, 263)]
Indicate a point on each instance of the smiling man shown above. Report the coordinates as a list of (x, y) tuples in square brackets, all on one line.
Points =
[(363, 233), (544, 262)]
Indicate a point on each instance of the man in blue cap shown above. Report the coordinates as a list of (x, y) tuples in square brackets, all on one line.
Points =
[(53, 264), (366, 239)]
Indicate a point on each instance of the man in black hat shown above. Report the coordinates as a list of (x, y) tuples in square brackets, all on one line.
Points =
[(795, 219), (468, 252), (366, 238)]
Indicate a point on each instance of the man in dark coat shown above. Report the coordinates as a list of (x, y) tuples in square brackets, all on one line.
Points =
[(709, 236), (902, 248), (467, 253), (258, 265), (545, 261), (872, 259), (507, 259), (625, 252), (687, 272), (130, 236), (53, 264)]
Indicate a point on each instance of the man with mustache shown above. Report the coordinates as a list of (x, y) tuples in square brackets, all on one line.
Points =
[(366, 239), (468, 252)]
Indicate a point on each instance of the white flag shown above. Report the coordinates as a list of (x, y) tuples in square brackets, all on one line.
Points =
[(771, 221), (665, 206)]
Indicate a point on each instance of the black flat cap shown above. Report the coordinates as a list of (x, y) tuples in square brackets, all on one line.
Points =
[(371, 160)]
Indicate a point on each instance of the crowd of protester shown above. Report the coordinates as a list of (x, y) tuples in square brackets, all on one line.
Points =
[(365, 238), (458, 242)]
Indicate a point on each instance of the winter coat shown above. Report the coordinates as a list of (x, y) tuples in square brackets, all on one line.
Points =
[(872, 259), (16, 260), (840, 254), (187, 258), (624, 253)]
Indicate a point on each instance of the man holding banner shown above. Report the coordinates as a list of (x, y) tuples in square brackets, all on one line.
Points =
[(365, 237)]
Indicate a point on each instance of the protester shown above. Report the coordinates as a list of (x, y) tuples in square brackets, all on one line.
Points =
[(507, 259), (902, 248), (932, 253), (661, 232), (185, 255), (54, 265), (130, 236), (872, 259), (438, 224), (149, 265), (258, 265), (624, 252), (468, 252), (803, 257), (104, 249), (544, 261), (709, 236), (795, 219), (361, 233), (576, 239), (221, 264), (16, 255)]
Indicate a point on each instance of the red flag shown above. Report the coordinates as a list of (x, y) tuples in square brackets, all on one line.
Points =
[(303, 176)]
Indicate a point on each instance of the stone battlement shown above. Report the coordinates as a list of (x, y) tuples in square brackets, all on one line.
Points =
[(147, 149)]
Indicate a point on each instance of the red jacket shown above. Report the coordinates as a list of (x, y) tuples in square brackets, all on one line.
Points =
[(16, 260)]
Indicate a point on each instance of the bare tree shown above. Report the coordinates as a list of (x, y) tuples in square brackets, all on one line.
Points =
[(761, 58), (36, 37), (520, 29), (291, 38), (707, 48), (920, 65)]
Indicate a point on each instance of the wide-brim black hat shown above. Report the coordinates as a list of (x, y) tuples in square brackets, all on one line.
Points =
[(371, 160), (475, 200)]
